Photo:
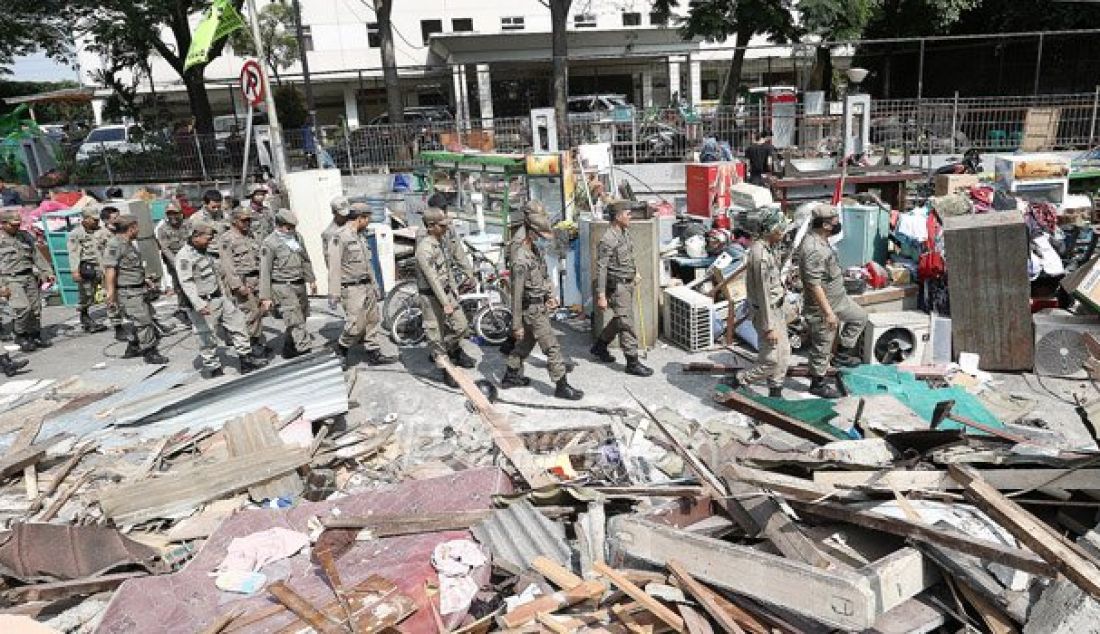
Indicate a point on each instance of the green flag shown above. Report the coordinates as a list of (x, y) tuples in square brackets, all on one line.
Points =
[(220, 20)]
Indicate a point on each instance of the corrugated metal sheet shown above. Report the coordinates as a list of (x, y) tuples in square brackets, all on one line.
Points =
[(314, 382), (519, 533), (49, 552)]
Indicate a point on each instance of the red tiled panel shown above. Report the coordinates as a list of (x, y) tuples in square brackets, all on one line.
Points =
[(187, 601)]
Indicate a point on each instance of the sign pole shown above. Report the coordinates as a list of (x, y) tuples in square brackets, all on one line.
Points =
[(247, 148), (278, 156)]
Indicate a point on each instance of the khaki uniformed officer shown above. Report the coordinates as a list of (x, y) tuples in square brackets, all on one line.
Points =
[(533, 295), (444, 322), (84, 261), (766, 296), (826, 303), (616, 282), (126, 284), (340, 207), (351, 281), (263, 216), (285, 269), (213, 213), (205, 291), (101, 237), (453, 245), (22, 269), (171, 236), (239, 265)]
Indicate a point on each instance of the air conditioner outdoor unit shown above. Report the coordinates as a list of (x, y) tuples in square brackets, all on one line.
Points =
[(1060, 342), (896, 338)]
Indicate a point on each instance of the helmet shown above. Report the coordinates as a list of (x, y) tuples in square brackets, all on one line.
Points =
[(696, 246), (717, 240)]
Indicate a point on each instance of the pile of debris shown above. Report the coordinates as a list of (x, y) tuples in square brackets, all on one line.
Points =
[(170, 506)]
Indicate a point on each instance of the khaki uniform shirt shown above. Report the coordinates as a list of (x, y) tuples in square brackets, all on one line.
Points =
[(615, 258), (171, 239), (283, 259), (433, 270), (19, 254), (349, 259), (239, 259), (764, 286), (265, 221), (81, 246), (100, 239), (327, 235), (221, 226), (819, 266), (198, 275), (121, 255), (530, 277)]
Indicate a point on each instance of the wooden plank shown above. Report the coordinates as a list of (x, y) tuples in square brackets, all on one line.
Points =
[(411, 524), (184, 489), (1067, 557), (17, 460), (555, 573), (759, 514), (634, 592), (1001, 479), (527, 612), (56, 506), (25, 439), (969, 571), (72, 587), (740, 615), (764, 414), (255, 433), (789, 486), (695, 589), (559, 624), (504, 437), (994, 619), (992, 551), (694, 622)]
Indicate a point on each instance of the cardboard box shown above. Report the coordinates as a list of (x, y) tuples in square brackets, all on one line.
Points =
[(951, 183)]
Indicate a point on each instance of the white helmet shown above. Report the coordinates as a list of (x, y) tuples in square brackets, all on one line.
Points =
[(696, 246)]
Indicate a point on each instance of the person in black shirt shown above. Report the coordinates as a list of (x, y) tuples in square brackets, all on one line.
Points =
[(762, 158)]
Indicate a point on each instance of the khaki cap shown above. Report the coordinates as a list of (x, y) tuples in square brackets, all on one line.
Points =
[(125, 222), (339, 205), (286, 217), (824, 211), (241, 213), (433, 216), (10, 216), (201, 227)]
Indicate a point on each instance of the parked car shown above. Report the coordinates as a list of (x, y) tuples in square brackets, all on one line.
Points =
[(418, 115), (227, 125), (116, 138), (55, 131), (595, 107)]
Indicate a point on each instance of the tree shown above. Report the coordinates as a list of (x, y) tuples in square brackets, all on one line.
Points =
[(832, 20), (395, 105), (277, 22), (559, 39), (124, 62), (718, 20), (28, 26), (292, 107), (164, 25)]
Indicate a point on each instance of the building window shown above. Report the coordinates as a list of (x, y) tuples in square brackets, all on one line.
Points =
[(656, 19), (462, 25), (427, 27), (514, 23), (632, 19), (584, 21), (374, 39), (307, 38)]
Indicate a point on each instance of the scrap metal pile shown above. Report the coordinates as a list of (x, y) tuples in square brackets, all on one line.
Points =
[(272, 503)]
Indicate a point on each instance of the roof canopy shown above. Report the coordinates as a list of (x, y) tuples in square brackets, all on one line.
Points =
[(524, 46), (66, 94)]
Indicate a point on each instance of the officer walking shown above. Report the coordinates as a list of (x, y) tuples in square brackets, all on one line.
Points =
[(100, 238), (285, 269), (213, 213), (339, 206), (453, 245), (533, 294), (126, 285), (171, 236), (826, 302), (444, 322), (205, 290), (351, 281), (767, 294), (263, 216), (22, 269), (84, 261), (239, 265), (617, 278)]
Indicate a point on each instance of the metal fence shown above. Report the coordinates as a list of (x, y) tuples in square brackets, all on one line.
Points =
[(898, 127)]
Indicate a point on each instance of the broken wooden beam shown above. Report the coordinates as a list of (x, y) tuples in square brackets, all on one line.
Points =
[(529, 611), (302, 608), (1068, 558), (789, 486), (72, 588), (654, 606), (764, 414), (1001, 479), (411, 524), (695, 589)]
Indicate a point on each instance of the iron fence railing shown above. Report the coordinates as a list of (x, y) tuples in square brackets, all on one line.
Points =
[(951, 125)]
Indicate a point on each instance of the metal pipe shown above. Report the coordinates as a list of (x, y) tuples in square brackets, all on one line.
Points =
[(920, 72), (954, 120), (1038, 64), (1095, 106), (278, 154)]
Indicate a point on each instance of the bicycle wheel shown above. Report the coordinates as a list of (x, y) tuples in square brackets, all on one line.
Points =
[(493, 323), (396, 300), (408, 326)]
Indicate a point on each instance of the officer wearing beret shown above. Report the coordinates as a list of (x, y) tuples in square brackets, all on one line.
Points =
[(285, 270), (444, 322), (766, 296), (126, 285), (239, 265), (616, 284), (340, 207), (84, 261), (22, 269), (532, 302), (826, 303)]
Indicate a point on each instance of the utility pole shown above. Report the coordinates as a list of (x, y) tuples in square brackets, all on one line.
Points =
[(278, 155), (311, 106)]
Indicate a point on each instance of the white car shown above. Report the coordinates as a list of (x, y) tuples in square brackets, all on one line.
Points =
[(118, 138)]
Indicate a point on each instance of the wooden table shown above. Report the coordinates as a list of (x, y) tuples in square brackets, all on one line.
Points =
[(891, 183)]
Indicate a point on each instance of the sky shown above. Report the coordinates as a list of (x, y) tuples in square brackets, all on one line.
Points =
[(38, 67)]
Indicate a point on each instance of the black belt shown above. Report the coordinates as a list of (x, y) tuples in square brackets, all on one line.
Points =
[(251, 274), (778, 304), (130, 287), (20, 273), (297, 281), (534, 301), (360, 282), (215, 295)]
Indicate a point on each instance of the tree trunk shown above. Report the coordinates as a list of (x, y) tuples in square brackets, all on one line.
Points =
[(559, 19), (394, 102), (198, 99), (737, 64), (822, 76)]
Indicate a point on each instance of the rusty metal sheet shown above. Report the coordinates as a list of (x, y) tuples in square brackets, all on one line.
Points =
[(37, 553)]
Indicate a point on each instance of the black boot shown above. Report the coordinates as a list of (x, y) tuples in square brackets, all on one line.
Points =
[(461, 359), (120, 334), (342, 354), (508, 345), (821, 389), (183, 317), (375, 357), (566, 391), (152, 357), (847, 358), (635, 367), (213, 373), (514, 378), (163, 330), (600, 353), (260, 349), (289, 351), (10, 366), (448, 380), (132, 350), (25, 343), (248, 363), (40, 340), (94, 327), (775, 392), (733, 380)]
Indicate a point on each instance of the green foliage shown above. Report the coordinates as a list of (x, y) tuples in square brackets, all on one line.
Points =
[(291, 106), (277, 30), (716, 20), (836, 19), (28, 26), (46, 112)]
